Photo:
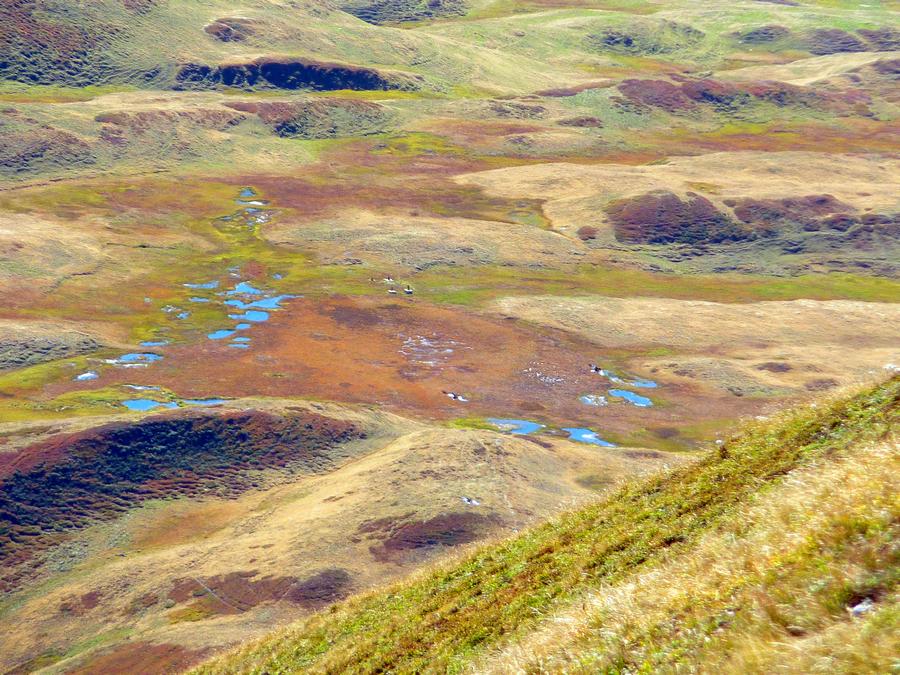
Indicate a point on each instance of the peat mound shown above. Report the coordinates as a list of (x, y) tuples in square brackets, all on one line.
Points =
[(319, 118), (69, 481), (661, 217), (231, 30), (646, 38), (20, 347), (287, 73), (685, 94), (762, 35), (27, 145), (380, 12), (396, 539), (144, 121), (237, 592)]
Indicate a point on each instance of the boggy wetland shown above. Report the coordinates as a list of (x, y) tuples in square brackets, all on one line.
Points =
[(310, 296)]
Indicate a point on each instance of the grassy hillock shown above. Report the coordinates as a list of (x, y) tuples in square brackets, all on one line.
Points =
[(777, 547)]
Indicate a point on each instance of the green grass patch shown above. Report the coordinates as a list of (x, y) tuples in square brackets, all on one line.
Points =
[(196, 611), (416, 144), (480, 285), (471, 423), (16, 92), (41, 374)]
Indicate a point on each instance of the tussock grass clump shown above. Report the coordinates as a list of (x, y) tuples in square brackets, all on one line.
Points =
[(772, 535)]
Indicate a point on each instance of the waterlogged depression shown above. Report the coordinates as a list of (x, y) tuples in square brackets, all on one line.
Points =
[(231, 305), (254, 303), (583, 434)]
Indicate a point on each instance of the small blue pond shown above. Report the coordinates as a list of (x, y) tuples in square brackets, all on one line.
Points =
[(242, 326), (239, 345), (182, 315), (140, 357), (518, 427), (277, 275), (145, 404), (593, 399), (631, 397), (220, 334), (244, 288), (241, 339), (204, 401), (587, 436), (253, 315), (209, 285), (266, 303), (639, 382), (154, 343), (199, 299), (248, 192), (84, 377)]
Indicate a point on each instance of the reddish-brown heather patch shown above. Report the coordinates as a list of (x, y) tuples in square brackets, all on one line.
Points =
[(231, 30), (796, 209), (774, 366), (662, 217), (147, 120), (586, 233), (276, 112), (763, 34), (398, 539), (887, 66), (821, 384), (656, 93), (79, 605), (364, 175), (480, 135), (882, 39), (684, 93), (585, 121), (237, 592), (855, 135), (141, 657), (35, 146), (71, 480), (833, 41)]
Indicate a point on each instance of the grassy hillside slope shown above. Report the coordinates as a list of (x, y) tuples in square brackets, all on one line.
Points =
[(777, 547)]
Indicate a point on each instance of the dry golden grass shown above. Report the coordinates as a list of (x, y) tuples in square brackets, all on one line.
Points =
[(750, 597), (731, 346), (805, 72), (421, 241)]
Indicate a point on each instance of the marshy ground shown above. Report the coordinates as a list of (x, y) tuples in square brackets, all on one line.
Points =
[(310, 226)]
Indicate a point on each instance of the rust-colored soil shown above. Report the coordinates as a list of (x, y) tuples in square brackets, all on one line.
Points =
[(402, 354)]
